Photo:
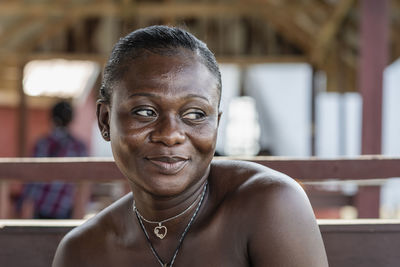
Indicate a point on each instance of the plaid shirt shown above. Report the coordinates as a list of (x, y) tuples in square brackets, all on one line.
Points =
[(54, 200)]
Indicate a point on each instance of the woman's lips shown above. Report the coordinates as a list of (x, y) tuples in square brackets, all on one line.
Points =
[(167, 164)]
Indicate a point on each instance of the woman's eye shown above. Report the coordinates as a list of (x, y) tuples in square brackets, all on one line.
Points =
[(145, 112), (194, 115)]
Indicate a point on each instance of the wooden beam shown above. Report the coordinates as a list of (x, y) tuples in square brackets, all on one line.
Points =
[(373, 60), (318, 10), (101, 59), (51, 27), (276, 15), (286, 25), (163, 10), (286, 18), (249, 60), (329, 31), (306, 23), (14, 29), (297, 20)]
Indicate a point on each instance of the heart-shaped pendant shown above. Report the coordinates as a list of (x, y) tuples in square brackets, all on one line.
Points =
[(160, 231)]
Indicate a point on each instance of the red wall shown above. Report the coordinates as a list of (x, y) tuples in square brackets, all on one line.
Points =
[(37, 120), (38, 124)]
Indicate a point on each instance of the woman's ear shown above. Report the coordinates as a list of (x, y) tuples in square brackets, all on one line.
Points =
[(103, 118)]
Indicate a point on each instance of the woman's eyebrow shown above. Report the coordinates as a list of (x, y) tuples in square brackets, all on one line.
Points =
[(144, 94), (197, 96)]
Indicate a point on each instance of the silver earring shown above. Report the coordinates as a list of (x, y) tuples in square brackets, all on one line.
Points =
[(105, 134)]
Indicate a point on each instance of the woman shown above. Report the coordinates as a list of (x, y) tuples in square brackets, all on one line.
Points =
[(159, 108)]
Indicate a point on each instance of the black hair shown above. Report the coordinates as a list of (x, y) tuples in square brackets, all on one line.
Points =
[(62, 113), (158, 39)]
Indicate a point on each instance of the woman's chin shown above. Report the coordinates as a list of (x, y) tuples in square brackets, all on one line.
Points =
[(164, 185)]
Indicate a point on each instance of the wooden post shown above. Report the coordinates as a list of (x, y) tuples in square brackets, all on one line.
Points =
[(313, 107), (373, 60), (22, 121), (82, 198), (4, 200)]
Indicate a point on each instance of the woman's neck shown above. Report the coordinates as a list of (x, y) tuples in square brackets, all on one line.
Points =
[(158, 208)]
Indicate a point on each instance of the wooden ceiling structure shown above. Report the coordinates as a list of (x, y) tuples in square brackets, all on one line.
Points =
[(325, 33)]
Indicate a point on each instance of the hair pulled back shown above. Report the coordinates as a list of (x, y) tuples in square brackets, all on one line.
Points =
[(163, 40)]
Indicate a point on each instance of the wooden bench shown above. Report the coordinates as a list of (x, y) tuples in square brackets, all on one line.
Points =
[(355, 243)]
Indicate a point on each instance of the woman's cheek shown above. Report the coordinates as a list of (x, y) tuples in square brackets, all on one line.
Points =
[(132, 141), (204, 139)]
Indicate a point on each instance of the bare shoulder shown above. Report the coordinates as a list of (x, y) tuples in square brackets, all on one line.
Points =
[(275, 213), (245, 176), (85, 242), (256, 188)]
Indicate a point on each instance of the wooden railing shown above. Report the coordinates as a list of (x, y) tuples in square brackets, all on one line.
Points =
[(104, 169), (84, 171)]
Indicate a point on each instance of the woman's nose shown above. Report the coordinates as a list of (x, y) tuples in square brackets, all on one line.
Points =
[(168, 131)]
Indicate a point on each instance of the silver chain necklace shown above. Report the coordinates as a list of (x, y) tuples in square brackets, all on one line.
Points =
[(153, 250), (161, 230)]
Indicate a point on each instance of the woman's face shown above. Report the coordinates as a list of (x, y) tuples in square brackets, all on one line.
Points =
[(163, 122)]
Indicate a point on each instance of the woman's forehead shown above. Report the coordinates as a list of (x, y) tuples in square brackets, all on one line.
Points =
[(168, 70), (167, 77)]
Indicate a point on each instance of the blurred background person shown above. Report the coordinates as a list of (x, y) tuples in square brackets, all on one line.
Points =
[(53, 200)]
